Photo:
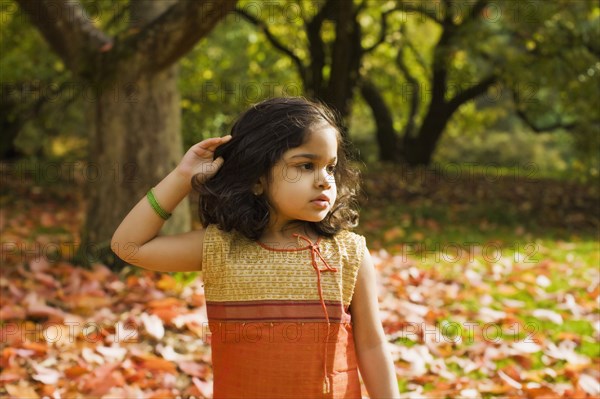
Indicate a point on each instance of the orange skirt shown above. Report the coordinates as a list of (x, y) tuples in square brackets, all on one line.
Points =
[(284, 360)]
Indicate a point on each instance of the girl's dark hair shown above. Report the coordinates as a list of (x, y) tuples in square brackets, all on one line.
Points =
[(260, 136)]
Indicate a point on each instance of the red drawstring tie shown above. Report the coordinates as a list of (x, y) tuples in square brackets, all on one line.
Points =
[(314, 252)]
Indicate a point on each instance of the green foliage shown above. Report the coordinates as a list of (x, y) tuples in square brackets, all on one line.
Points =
[(185, 279), (544, 53), (553, 69), (544, 57), (29, 71), (225, 73), (42, 102), (551, 153)]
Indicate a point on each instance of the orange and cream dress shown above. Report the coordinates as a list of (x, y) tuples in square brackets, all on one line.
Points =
[(279, 317)]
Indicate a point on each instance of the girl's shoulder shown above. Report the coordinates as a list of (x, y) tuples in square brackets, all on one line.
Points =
[(350, 243), (216, 239), (347, 236), (213, 233)]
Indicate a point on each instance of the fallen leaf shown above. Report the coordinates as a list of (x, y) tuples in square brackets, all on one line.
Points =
[(194, 369), (509, 380), (153, 325), (45, 375), (589, 384), (205, 388), (545, 314), (75, 372), (21, 391), (154, 363)]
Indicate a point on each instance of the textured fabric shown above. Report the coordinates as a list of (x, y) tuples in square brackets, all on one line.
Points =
[(279, 317)]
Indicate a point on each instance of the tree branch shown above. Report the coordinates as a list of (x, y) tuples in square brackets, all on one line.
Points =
[(272, 39), (415, 98), (540, 129), (118, 16), (448, 18), (175, 32), (66, 28), (520, 111), (382, 31), (419, 57), (313, 76), (407, 8), (361, 6), (387, 140), (471, 92)]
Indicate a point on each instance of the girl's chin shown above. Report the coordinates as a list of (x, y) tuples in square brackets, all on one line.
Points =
[(317, 218)]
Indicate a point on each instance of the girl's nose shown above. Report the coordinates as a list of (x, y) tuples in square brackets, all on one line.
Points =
[(324, 178)]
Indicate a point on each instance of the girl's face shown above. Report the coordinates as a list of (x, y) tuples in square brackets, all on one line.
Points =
[(303, 185)]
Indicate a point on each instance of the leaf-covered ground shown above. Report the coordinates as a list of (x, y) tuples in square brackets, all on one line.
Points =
[(489, 288)]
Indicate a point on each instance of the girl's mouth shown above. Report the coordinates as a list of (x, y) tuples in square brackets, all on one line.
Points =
[(321, 203)]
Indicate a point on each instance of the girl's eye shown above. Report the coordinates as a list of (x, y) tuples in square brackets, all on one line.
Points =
[(306, 166), (310, 166)]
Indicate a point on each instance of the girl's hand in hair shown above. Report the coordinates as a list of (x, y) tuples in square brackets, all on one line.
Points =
[(199, 159)]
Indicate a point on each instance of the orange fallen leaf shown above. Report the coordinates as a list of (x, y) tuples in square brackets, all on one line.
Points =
[(197, 300), (165, 302), (577, 393), (166, 283), (38, 347), (9, 312), (542, 392), (48, 391), (154, 363), (134, 375), (13, 374), (7, 358), (132, 281), (161, 394), (84, 303), (569, 336), (166, 314), (100, 381), (75, 371)]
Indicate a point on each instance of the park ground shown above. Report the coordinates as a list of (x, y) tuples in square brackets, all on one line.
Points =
[(489, 287)]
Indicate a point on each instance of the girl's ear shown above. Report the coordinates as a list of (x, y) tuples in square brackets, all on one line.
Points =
[(258, 188)]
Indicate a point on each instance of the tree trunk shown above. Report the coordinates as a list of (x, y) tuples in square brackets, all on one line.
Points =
[(135, 141), (346, 54), (387, 140), (418, 151)]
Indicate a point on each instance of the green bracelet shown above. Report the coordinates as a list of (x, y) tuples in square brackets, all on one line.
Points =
[(159, 211)]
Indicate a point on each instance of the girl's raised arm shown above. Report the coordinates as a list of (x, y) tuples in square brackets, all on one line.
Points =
[(136, 240)]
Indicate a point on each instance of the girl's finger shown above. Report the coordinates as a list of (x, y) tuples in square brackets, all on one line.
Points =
[(212, 143), (217, 163)]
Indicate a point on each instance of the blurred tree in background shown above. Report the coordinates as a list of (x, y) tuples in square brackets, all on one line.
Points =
[(130, 81), (433, 58)]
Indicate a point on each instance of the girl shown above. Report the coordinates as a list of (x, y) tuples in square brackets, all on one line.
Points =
[(290, 292)]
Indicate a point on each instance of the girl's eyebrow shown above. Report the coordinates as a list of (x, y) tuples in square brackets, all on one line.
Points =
[(310, 156)]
